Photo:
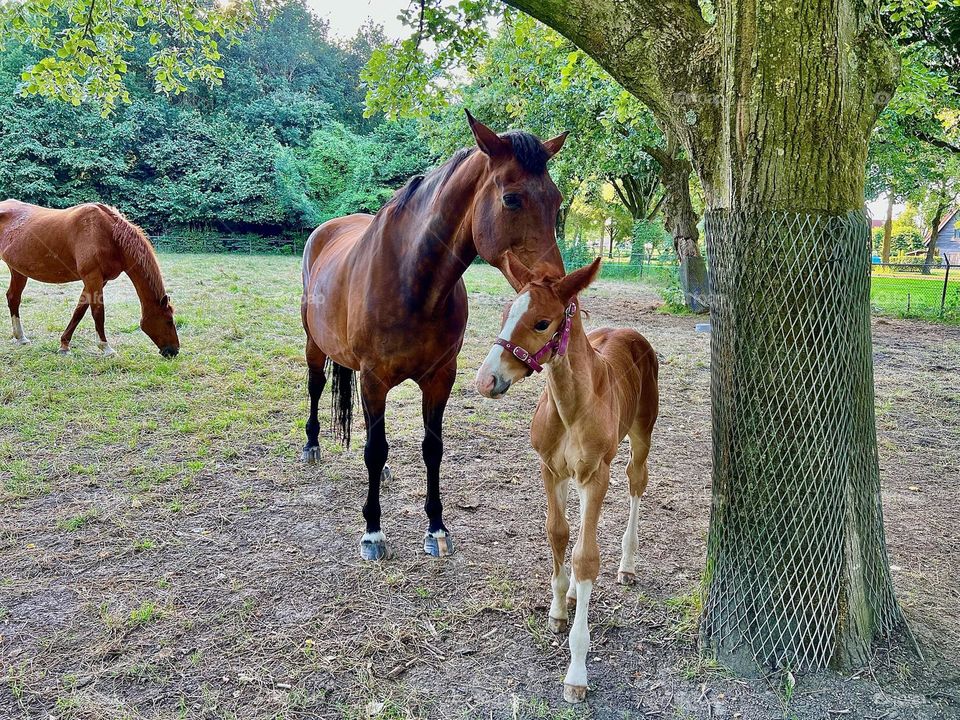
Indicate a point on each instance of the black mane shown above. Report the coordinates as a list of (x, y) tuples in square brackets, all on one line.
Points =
[(527, 149)]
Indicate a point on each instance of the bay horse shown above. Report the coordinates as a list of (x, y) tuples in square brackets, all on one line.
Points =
[(383, 296), (93, 243), (600, 388)]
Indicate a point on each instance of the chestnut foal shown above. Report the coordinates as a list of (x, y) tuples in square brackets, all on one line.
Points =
[(601, 387)]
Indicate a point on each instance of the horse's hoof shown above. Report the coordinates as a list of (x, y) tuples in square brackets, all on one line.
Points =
[(626, 578), (574, 693), (571, 601), (108, 352), (386, 475), (311, 455), (557, 625), (22, 341), (373, 546), (63, 351), (438, 544)]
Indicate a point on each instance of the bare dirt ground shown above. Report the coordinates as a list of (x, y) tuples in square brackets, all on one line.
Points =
[(165, 555)]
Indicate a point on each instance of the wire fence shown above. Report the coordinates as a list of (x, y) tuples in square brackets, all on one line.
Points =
[(910, 290)]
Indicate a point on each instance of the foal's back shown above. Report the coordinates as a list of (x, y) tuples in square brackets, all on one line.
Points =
[(633, 369)]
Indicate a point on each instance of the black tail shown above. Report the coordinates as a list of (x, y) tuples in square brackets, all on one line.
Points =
[(342, 391)]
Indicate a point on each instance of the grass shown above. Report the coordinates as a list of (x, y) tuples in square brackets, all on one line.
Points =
[(913, 296)]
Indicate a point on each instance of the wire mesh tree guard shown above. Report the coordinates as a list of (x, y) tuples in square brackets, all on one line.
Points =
[(797, 573)]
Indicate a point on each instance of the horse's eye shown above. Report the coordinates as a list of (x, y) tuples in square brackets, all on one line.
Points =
[(511, 201), (542, 325)]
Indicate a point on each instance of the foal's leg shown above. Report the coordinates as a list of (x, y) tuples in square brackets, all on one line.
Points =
[(637, 474), (93, 284), (436, 390), (17, 283), (316, 379), (586, 565), (373, 394), (558, 532), (67, 336)]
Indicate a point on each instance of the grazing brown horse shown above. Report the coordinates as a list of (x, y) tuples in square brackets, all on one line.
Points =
[(383, 295), (601, 387), (93, 243)]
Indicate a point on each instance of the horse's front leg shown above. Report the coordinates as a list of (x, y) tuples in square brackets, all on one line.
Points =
[(558, 532), (373, 395), (586, 566), (436, 391)]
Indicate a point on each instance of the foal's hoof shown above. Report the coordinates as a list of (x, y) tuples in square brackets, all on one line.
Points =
[(557, 625), (63, 350), (22, 341), (626, 578), (438, 544), (311, 455), (571, 601), (373, 546), (386, 475), (574, 693)]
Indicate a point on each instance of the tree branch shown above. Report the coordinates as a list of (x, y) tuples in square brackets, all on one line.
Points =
[(654, 48)]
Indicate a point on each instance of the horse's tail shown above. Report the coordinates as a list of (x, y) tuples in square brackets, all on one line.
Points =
[(342, 392)]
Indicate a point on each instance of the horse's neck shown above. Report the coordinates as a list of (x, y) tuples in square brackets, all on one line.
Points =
[(443, 245), (149, 296), (573, 377)]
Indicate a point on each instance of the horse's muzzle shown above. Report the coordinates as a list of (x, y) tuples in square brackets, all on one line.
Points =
[(169, 351)]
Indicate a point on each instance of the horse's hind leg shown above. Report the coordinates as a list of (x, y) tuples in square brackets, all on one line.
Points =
[(93, 286), (316, 380), (17, 283), (78, 314), (436, 391), (637, 474), (373, 394)]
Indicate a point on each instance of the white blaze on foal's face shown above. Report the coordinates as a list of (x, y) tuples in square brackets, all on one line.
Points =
[(497, 373)]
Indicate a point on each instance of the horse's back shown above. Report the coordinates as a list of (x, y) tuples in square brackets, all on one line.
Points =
[(337, 234), (57, 246)]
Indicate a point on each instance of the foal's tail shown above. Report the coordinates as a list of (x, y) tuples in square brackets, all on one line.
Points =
[(343, 389)]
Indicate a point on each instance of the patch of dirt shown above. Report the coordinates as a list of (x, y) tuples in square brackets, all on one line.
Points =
[(233, 588)]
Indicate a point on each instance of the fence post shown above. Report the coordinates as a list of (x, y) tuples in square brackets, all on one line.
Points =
[(946, 279)]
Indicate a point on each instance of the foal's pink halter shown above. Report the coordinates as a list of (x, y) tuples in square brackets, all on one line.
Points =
[(557, 344)]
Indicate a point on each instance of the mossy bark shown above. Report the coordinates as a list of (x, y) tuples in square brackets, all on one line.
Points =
[(773, 103)]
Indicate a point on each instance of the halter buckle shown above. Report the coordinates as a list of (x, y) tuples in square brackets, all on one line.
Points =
[(521, 354)]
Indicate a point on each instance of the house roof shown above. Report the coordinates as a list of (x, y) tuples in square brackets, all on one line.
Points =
[(947, 220)]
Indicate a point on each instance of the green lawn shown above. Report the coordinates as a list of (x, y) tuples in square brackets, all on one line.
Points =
[(914, 296)]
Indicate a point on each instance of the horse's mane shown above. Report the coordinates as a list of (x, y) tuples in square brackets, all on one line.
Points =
[(527, 149), (136, 246)]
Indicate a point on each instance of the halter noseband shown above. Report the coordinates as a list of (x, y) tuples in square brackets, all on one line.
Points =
[(557, 344)]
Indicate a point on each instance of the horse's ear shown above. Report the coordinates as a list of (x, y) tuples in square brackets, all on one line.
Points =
[(517, 274), (164, 302), (487, 140), (554, 145), (579, 280)]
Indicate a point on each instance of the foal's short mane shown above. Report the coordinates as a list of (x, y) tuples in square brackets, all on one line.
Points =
[(136, 246), (527, 149)]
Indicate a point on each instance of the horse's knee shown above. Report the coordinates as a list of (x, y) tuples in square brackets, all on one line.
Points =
[(432, 447), (586, 561), (375, 453)]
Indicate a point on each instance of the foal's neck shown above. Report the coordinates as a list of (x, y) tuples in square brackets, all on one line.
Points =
[(572, 377)]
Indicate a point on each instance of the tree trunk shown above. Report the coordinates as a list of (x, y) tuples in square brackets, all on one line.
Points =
[(887, 231), (932, 244), (680, 221), (774, 104)]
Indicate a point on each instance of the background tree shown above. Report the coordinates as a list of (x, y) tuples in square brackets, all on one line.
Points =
[(252, 154)]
